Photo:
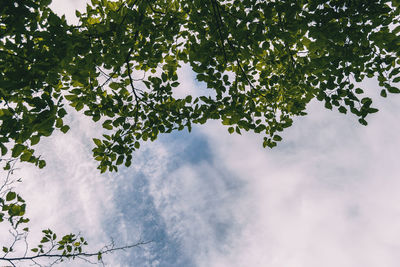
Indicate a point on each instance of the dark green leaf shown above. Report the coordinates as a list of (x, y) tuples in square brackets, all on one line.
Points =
[(363, 122), (359, 91), (342, 110), (17, 150), (137, 145), (396, 80), (175, 84), (35, 139), (42, 164), (3, 149), (393, 90), (11, 196), (120, 160)]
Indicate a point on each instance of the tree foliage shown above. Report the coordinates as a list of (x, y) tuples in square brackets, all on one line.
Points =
[(262, 61)]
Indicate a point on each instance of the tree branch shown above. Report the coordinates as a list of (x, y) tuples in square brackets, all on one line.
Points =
[(48, 254)]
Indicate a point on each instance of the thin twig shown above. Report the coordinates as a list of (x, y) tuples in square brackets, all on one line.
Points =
[(79, 254)]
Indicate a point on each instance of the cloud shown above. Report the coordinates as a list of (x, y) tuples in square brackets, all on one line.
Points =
[(324, 197)]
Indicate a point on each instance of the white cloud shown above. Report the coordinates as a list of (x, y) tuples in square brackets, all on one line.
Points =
[(325, 198)]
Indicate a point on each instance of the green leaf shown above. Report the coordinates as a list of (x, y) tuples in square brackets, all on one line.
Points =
[(231, 130), (62, 112), (65, 129), (15, 210), (342, 110), (120, 160), (71, 97), (164, 77), (272, 144), (128, 163), (103, 168), (17, 150), (372, 110), (97, 142), (175, 84), (35, 139), (42, 164), (107, 125), (7, 167), (59, 122), (137, 145), (359, 91), (114, 85), (79, 106), (363, 122), (393, 90), (11, 196), (26, 156), (328, 105), (3, 149)]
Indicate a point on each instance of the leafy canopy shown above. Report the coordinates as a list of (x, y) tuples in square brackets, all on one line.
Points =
[(262, 61)]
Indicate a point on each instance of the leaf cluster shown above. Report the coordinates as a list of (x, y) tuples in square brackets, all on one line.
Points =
[(263, 62)]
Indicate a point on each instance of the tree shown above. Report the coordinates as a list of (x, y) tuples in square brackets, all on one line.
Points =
[(263, 62)]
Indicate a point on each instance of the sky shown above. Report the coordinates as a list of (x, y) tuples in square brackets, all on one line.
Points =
[(327, 195)]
